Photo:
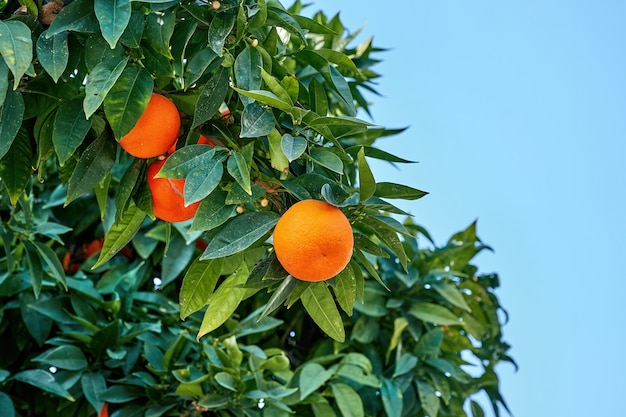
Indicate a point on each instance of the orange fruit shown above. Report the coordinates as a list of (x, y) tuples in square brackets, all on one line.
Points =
[(156, 130), (168, 201), (313, 240)]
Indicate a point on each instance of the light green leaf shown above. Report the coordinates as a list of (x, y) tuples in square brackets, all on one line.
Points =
[(318, 98), (391, 190), (113, 16), (53, 53), (67, 357), (100, 81), (70, 128), (327, 159), (11, 115), (256, 121), (434, 313), (128, 99), (224, 300), (93, 166), (120, 234), (452, 295), (320, 305), (278, 158), (367, 184), (279, 296), (428, 345), (399, 325), (240, 170), (293, 146), (344, 286), (348, 400), (16, 47), (240, 233), (428, 397), (198, 285), (212, 96), (185, 160), (43, 380), (266, 97), (392, 398), (312, 377), (4, 82), (275, 87), (477, 410)]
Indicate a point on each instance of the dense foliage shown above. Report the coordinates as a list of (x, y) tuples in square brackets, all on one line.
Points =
[(279, 93)]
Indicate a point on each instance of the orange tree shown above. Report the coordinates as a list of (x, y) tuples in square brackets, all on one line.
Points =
[(256, 110)]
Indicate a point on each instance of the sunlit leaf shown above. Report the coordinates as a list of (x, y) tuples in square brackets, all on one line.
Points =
[(320, 305), (99, 82), (120, 234), (16, 48), (198, 285)]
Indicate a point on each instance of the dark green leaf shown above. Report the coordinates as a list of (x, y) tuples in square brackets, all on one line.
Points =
[(93, 166), (344, 286), (212, 212), (120, 234), (77, 16), (449, 368), (203, 180), (160, 26), (256, 121), (7, 408), (15, 165), (320, 305), (220, 28), (186, 159), (118, 394), (198, 64), (452, 295), (53, 53), (248, 71), (367, 184), (128, 99), (434, 313), (318, 99), (37, 324), (43, 380), (113, 16), (392, 398), (67, 357), (404, 364), (327, 159), (52, 260), (34, 267), (198, 285), (92, 385), (70, 128), (131, 37), (11, 115), (428, 345), (16, 48), (4, 83), (99, 82), (281, 18), (428, 398), (477, 410), (175, 260), (391, 190), (238, 167), (212, 97), (240, 233)]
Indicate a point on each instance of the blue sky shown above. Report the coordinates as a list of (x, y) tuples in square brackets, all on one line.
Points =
[(517, 115)]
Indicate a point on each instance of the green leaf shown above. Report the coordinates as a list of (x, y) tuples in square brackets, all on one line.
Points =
[(4, 82), (198, 285), (202, 180), (226, 380), (15, 165), (100, 81), (344, 286), (11, 115), (120, 234), (240, 233), (93, 166), (256, 121), (182, 162), (348, 400), (428, 397), (118, 394), (391, 190), (131, 37), (293, 146), (92, 384), (392, 398), (7, 409), (452, 295), (16, 47), (266, 97), (220, 28), (34, 267), (327, 159), (247, 70), (212, 96), (77, 16), (113, 16), (312, 377), (198, 64), (275, 87), (224, 300), (128, 99), (280, 295), (449, 368), (175, 260), (320, 305), (404, 364), (70, 128), (367, 184), (240, 170), (52, 260), (399, 325), (67, 357), (53, 53), (281, 18), (160, 26), (43, 380), (428, 345), (434, 313), (278, 157), (37, 324), (477, 410), (212, 212), (318, 100)]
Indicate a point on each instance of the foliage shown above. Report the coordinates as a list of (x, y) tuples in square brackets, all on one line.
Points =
[(278, 93)]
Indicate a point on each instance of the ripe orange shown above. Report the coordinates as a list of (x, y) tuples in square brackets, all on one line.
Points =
[(313, 240), (168, 202), (156, 130)]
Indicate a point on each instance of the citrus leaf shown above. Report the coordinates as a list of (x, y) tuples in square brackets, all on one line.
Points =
[(15, 165), (266, 97), (7, 409), (11, 115), (4, 82), (202, 181), (43, 380), (78, 16), (477, 410), (247, 70), (391, 190), (344, 286), (452, 295), (212, 96), (198, 285), (113, 16), (198, 64), (131, 37), (52, 260), (16, 47), (377, 153), (367, 184), (212, 212), (120, 234), (318, 99), (320, 305), (160, 26), (128, 99), (392, 398), (256, 121), (278, 158), (399, 325), (240, 233), (428, 397), (281, 18), (92, 384), (312, 377), (93, 166), (67, 357), (327, 159), (70, 128), (100, 81), (428, 345), (240, 170), (279, 296), (224, 300), (184, 160), (53, 53), (293, 146), (34, 267), (275, 87), (348, 400), (220, 28), (175, 260), (434, 313)]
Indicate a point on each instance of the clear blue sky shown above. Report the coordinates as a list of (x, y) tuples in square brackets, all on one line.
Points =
[(517, 114)]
